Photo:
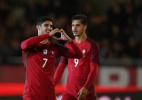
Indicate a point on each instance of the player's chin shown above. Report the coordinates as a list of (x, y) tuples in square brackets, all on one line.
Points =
[(75, 34)]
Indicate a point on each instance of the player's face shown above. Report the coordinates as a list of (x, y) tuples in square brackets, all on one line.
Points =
[(45, 27), (78, 28)]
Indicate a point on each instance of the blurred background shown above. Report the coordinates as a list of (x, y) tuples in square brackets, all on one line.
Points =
[(115, 24)]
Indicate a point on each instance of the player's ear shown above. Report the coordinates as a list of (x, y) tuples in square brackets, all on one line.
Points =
[(38, 27)]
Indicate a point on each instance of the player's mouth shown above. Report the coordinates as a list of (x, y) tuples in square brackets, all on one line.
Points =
[(75, 32)]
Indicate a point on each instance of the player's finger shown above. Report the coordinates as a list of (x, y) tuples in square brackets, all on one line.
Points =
[(80, 97), (78, 93), (56, 38)]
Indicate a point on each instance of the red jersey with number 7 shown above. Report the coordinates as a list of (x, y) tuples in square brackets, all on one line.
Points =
[(39, 60)]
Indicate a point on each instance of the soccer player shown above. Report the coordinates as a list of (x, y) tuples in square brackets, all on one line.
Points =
[(81, 72), (39, 55)]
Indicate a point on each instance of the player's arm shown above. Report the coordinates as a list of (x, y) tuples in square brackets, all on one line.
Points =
[(70, 50), (74, 51), (94, 65), (60, 69), (92, 75), (84, 90), (25, 45)]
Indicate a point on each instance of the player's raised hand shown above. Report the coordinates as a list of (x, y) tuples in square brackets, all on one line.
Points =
[(56, 30), (63, 36), (82, 93)]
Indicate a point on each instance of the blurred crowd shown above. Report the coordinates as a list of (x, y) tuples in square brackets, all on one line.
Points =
[(118, 30)]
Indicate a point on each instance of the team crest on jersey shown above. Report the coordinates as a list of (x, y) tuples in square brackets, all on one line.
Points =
[(84, 52), (45, 51)]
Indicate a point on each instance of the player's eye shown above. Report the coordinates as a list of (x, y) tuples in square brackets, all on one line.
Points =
[(46, 25), (51, 26)]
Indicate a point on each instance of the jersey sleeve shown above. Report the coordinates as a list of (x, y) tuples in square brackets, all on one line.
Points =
[(71, 50), (94, 64), (92, 75), (31, 42), (95, 53)]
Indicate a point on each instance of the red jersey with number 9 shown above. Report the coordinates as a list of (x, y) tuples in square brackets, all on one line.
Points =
[(79, 69)]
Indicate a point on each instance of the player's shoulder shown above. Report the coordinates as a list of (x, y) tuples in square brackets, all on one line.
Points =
[(91, 41)]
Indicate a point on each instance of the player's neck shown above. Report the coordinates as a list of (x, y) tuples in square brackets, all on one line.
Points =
[(81, 38)]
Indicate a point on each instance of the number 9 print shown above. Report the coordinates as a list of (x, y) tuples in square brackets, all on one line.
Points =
[(76, 61)]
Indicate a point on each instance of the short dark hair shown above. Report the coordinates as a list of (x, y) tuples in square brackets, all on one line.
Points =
[(81, 17), (43, 19)]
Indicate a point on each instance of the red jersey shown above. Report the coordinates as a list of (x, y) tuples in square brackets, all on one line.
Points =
[(80, 70), (39, 60)]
